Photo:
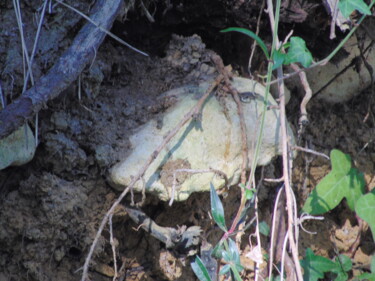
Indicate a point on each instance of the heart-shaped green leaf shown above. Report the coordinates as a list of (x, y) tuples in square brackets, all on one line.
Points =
[(365, 209), (298, 52), (348, 6), (342, 181)]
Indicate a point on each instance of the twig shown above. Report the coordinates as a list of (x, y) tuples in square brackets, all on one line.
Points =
[(191, 114), (274, 180), (292, 214), (25, 56), (370, 71), (275, 218), (259, 243), (255, 43), (307, 150), (104, 29), (335, 13), (112, 242), (181, 239), (64, 72), (303, 120), (227, 76), (147, 13), (288, 189), (29, 73), (305, 217)]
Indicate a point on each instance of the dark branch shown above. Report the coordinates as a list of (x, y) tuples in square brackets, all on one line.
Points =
[(65, 70)]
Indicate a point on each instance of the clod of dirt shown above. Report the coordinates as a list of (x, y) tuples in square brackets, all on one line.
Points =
[(66, 151), (189, 55), (47, 212), (18, 148), (214, 142)]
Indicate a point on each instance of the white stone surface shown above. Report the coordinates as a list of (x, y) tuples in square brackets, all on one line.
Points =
[(18, 148), (215, 143)]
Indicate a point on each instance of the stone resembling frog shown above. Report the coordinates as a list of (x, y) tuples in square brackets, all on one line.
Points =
[(212, 142)]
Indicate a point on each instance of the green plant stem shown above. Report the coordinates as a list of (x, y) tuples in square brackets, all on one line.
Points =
[(259, 139), (235, 272)]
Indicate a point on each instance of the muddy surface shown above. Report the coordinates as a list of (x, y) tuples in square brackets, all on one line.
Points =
[(50, 208)]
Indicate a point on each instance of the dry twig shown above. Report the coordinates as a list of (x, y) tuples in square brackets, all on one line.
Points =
[(292, 216), (303, 120)]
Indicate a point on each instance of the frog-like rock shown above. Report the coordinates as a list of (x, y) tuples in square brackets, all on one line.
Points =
[(212, 142)]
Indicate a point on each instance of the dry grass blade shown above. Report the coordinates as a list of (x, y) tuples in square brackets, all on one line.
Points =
[(102, 29)]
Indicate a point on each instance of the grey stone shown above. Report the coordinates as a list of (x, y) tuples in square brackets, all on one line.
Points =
[(18, 148), (215, 143)]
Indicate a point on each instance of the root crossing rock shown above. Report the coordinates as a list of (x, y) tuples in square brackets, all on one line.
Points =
[(212, 142)]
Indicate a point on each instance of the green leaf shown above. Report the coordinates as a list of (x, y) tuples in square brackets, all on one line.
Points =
[(342, 265), (236, 273), (365, 209), (225, 269), (315, 266), (348, 6), (373, 264), (342, 181), (298, 52), (355, 187), (235, 254), (218, 251), (249, 192), (278, 59), (264, 228), (367, 277), (342, 276), (200, 270), (217, 209), (252, 35)]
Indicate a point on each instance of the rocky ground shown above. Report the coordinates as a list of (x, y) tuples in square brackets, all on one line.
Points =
[(51, 207)]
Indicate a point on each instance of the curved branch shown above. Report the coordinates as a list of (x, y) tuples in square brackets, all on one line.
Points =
[(65, 70)]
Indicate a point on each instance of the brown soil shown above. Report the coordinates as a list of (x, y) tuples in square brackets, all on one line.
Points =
[(50, 208)]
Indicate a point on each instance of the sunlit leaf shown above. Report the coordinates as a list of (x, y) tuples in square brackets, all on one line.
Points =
[(200, 270), (347, 7), (342, 181), (365, 209), (298, 52), (314, 266)]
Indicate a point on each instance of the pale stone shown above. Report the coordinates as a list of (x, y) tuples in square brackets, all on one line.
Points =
[(338, 82), (214, 142), (18, 148)]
